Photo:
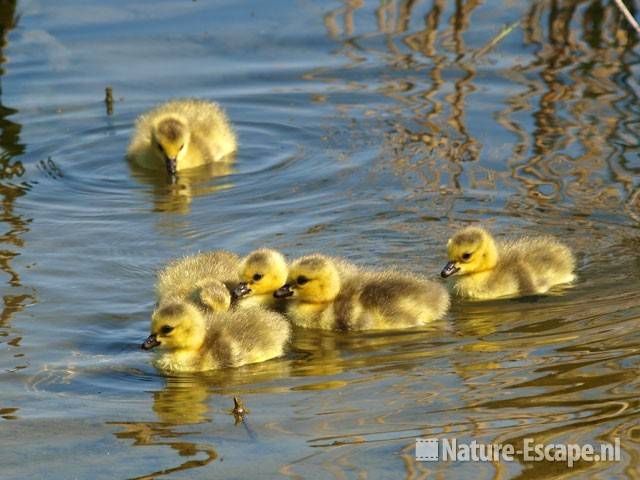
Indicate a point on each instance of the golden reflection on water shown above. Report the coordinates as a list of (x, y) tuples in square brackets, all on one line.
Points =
[(156, 434), (176, 196), (571, 158)]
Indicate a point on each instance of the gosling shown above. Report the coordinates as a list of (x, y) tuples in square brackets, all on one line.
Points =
[(332, 294), (261, 272), (181, 134), (198, 278), (488, 270), (190, 340)]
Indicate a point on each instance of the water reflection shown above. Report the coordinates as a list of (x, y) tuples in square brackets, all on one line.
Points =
[(152, 434), (571, 113), (185, 401), (11, 189), (176, 195)]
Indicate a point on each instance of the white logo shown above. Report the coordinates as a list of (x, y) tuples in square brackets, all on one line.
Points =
[(428, 450)]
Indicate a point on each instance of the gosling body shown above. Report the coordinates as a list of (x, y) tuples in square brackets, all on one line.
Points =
[(486, 269), (331, 294), (190, 340), (182, 134), (197, 278)]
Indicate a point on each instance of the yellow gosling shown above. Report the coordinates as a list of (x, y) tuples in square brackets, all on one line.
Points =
[(183, 278), (190, 340), (181, 134), (262, 272), (487, 269), (213, 295), (331, 294)]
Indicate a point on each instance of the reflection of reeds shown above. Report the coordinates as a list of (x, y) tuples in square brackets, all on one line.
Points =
[(568, 103), (10, 172)]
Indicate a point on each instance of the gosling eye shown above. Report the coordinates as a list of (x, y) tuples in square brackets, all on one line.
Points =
[(181, 146), (160, 148), (166, 330), (466, 256), (302, 280), (257, 277)]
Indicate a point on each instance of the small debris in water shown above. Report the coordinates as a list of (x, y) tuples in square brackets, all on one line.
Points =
[(108, 100), (239, 410)]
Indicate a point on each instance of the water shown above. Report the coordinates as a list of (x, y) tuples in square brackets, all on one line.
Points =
[(370, 130)]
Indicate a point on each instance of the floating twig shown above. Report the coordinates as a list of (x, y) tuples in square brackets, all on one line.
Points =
[(238, 407), (239, 412), (108, 100), (506, 30), (625, 11)]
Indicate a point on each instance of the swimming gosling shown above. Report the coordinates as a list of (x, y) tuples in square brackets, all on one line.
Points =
[(486, 269), (261, 272), (190, 340), (197, 278), (332, 294), (181, 134)]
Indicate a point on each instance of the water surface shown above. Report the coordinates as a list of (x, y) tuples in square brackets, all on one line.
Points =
[(370, 130)]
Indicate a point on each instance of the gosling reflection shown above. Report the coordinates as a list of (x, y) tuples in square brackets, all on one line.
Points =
[(175, 194), (182, 402), (185, 400), (155, 434), (327, 354)]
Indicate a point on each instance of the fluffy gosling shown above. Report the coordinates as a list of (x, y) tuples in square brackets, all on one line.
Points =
[(190, 340), (488, 269), (181, 134), (332, 294), (198, 278), (262, 272)]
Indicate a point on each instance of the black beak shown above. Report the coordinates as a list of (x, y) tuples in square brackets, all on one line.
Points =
[(150, 342), (241, 290), (449, 269), (171, 164), (283, 292)]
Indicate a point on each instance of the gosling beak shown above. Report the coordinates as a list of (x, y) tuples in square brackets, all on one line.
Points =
[(241, 290), (283, 292), (150, 342), (171, 164), (449, 269)]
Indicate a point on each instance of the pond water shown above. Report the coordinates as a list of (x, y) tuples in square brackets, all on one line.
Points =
[(370, 130)]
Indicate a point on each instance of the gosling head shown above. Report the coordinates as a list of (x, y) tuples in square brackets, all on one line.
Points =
[(471, 250), (261, 272), (312, 279), (214, 295), (170, 139), (176, 326)]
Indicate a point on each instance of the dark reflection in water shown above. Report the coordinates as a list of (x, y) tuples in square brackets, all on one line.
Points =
[(11, 189)]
